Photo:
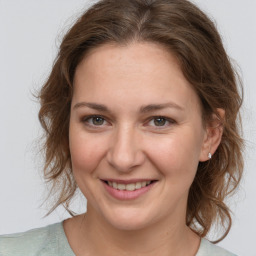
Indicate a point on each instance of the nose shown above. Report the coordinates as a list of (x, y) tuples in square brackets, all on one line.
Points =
[(125, 151)]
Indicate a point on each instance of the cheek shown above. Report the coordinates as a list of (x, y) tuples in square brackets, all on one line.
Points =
[(177, 155), (86, 152), (86, 155)]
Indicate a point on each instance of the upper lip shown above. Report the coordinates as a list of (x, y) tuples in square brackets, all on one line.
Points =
[(128, 181)]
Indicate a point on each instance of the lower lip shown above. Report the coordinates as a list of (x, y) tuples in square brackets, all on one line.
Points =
[(125, 194)]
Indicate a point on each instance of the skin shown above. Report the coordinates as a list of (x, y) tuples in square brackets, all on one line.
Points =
[(125, 143)]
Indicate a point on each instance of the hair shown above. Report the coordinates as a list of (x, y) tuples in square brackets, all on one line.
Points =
[(187, 33)]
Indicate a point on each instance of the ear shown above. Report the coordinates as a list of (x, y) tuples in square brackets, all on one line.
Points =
[(213, 135)]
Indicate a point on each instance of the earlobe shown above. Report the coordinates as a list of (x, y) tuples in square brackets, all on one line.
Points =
[(213, 136)]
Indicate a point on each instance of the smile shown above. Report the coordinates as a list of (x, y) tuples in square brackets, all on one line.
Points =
[(129, 187), (128, 190)]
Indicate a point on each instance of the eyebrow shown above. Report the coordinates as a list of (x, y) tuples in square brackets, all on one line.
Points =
[(143, 109), (155, 107), (95, 106)]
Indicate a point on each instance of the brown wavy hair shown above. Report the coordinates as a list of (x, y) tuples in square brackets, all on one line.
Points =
[(192, 37)]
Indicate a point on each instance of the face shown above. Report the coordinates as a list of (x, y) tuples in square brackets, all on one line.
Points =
[(136, 135)]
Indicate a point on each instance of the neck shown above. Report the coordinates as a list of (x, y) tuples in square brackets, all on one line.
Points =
[(162, 238)]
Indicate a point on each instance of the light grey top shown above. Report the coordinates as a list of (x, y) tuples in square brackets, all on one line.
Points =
[(52, 241)]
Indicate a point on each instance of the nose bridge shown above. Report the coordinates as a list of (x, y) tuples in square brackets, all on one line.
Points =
[(124, 152)]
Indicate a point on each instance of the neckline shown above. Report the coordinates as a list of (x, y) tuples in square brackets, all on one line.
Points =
[(66, 242), (68, 248)]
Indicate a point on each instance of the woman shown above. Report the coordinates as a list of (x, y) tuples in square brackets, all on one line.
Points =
[(141, 113)]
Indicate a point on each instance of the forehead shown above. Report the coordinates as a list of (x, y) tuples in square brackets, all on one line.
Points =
[(138, 72), (133, 59)]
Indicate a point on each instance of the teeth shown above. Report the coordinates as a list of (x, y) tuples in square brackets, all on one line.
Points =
[(129, 187), (121, 186), (114, 185), (138, 185)]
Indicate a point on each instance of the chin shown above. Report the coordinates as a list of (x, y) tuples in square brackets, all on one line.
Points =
[(129, 220), (128, 225)]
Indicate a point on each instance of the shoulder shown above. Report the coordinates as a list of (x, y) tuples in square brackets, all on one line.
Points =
[(50, 240), (208, 249)]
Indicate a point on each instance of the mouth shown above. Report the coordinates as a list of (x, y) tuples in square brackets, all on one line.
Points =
[(128, 185)]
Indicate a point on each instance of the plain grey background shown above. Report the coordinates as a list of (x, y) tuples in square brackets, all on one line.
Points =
[(30, 34)]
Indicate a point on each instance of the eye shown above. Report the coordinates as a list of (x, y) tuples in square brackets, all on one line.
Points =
[(161, 121), (94, 120)]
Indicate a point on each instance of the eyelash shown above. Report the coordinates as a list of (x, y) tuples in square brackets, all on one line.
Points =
[(86, 120), (166, 119)]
